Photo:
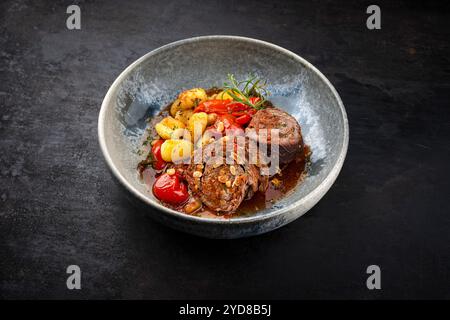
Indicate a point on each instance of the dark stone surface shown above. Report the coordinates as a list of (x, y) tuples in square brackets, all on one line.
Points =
[(389, 206)]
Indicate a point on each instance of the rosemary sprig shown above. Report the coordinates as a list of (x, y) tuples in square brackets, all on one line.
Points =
[(251, 87)]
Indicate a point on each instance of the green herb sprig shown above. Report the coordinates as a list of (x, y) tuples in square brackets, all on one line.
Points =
[(241, 91)]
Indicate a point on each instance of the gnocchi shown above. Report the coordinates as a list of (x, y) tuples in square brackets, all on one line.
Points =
[(197, 124), (184, 115)]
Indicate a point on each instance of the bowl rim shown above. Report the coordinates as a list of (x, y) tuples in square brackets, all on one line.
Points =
[(308, 200)]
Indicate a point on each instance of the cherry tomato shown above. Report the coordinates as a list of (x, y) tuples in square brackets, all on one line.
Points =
[(170, 189), (213, 106), (231, 127), (244, 119), (158, 162), (228, 120)]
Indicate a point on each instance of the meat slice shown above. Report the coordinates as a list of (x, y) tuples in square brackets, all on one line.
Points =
[(290, 136), (222, 186)]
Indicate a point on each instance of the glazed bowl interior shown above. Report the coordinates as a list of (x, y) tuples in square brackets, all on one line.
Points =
[(157, 78)]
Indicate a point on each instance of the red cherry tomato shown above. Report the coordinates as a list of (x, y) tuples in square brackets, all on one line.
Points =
[(158, 162), (213, 106), (170, 189), (244, 119)]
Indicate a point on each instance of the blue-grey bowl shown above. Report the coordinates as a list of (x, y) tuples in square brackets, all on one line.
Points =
[(155, 79)]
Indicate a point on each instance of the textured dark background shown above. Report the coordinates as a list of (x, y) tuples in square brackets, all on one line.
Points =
[(389, 206)]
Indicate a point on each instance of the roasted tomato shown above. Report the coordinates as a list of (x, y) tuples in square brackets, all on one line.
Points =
[(171, 189), (240, 111)]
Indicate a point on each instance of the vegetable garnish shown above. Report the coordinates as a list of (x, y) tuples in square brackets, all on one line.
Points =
[(221, 107), (170, 189), (231, 127), (251, 88)]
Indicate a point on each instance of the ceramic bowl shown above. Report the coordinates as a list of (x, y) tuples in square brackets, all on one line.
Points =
[(155, 80)]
